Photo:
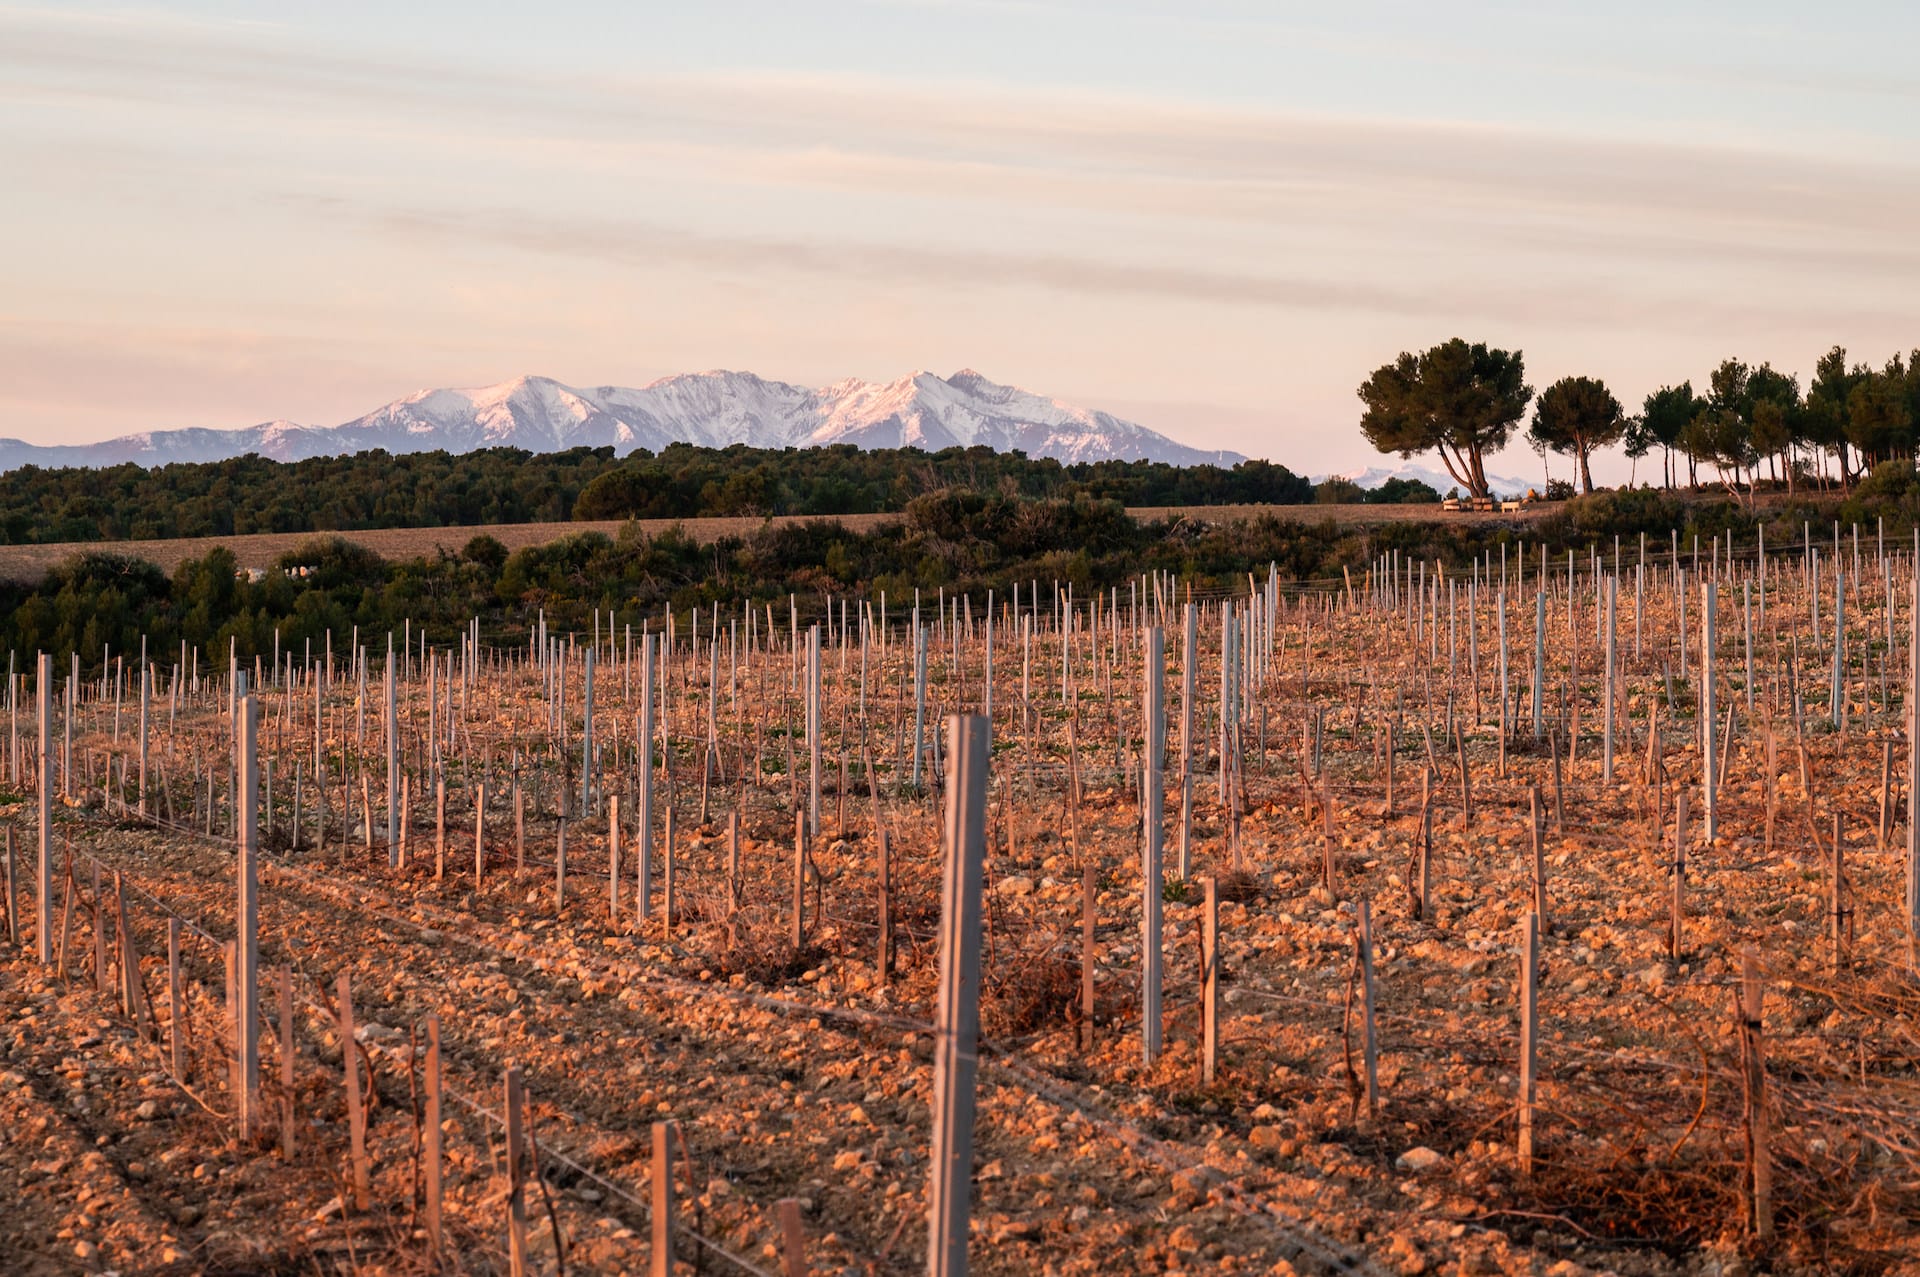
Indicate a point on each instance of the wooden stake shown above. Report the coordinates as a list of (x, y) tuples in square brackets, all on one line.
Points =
[(1539, 862), (884, 957), (1839, 911), (435, 1163), (514, 1102), (660, 1263), (1363, 937), (666, 884), (286, 1063), (356, 1107), (799, 881), (793, 1241), (1675, 944), (1559, 787), (1747, 1016), (613, 859), (1088, 916), (1210, 981), (1466, 781), (176, 1013)]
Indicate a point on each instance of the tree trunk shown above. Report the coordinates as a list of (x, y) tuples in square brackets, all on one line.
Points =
[(1454, 467), (1586, 476)]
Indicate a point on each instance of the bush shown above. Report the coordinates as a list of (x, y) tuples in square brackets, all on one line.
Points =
[(1890, 480), (1404, 492), (487, 552), (1335, 490)]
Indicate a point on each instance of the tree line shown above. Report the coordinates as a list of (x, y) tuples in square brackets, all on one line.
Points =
[(377, 489), (1464, 401), (957, 539)]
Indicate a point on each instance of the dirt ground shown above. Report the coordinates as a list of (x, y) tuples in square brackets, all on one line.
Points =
[(803, 1072)]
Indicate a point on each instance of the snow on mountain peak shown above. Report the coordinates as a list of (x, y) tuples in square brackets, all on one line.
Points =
[(715, 408), (1439, 480)]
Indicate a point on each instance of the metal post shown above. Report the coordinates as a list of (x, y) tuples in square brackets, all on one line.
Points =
[(43, 804), (146, 695), (1539, 656), (393, 763), (1837, 699), (1606, 761), (247, 1015), (1913, 770), (1152, 797), (643, 850), (1709, 781), (1189, 676), (813, 731), (586, 741), (957, 1013), (919, 695)]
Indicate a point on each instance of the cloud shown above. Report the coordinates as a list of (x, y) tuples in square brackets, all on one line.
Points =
[(1149, 153), (910, 268)]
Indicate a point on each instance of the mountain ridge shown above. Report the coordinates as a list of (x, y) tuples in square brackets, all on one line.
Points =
[(1371, 477), (715, 408)]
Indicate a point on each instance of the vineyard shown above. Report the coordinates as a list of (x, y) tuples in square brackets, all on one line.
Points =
[(1519, 915)]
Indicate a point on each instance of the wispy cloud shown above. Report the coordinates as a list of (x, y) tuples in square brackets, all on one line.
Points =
[(909, 268), (1195, 186), (872, 133)]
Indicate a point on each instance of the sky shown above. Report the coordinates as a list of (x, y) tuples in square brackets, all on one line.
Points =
[(1213, 217)]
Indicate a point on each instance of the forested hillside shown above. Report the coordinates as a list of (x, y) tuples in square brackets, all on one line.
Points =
[(510, 485)]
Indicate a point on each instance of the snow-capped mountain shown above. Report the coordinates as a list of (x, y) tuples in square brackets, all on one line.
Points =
[(713, 409), (1437, 478)]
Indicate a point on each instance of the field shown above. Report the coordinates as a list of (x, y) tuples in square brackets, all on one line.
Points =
[(28, 564), (1461, 940)]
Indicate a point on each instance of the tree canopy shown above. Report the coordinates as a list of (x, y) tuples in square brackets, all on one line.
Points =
[(1459, 400), (1575, 415)]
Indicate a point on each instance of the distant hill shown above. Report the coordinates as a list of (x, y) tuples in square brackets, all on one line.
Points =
[(710, 409)]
